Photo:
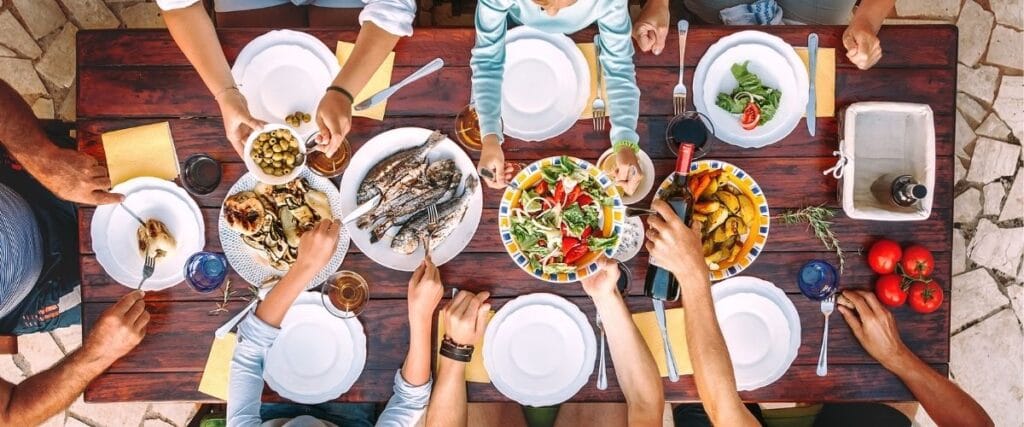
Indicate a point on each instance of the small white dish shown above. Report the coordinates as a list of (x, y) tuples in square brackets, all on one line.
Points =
[(258, 172), (646, 168), (628, 250), (174, 213)]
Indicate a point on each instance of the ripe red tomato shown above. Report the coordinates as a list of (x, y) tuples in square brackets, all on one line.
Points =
[(884, 255), (751, 116), (889, 290), (925, 297), (576, 253), (918, 262)]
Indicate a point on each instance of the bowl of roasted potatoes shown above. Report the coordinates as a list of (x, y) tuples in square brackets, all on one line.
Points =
[(275, 154)]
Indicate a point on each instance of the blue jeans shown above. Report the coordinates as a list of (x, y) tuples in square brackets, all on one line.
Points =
[(341, 414)]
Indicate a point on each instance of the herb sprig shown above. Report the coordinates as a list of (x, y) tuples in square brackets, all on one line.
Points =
[(818, 218)]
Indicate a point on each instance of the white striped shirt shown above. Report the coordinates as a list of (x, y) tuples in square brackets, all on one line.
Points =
[(21, 250)]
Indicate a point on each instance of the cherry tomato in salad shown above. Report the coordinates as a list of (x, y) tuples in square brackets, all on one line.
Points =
[(576, 253), (918, 262), (568, 243), (586, 233), (884, 255), (573, 195), (584, 200), (925, 297), (559, 193), (542, 187), (889, 290), (751, 116)]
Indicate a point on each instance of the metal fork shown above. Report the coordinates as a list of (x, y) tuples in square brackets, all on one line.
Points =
[(602, 374), (432, 219), (147, 270), (597, 108), (827, 306), (679, 92)]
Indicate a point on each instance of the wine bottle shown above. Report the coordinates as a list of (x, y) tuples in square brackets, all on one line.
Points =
[(659, 282), (898, 190)]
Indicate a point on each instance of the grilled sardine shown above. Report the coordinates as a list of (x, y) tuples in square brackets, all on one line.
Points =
[(449, 214), (402, 166)]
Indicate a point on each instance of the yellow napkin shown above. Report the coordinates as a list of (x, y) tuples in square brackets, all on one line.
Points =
[(218, 367), (825, 79), (380, 81), (475, 371), (140, 151), (590, 53), (647, 323)]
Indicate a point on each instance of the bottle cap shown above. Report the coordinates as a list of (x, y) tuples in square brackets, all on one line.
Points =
[(919, 191)]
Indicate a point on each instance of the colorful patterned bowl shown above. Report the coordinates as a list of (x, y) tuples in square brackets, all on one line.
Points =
[(613, 216), (758, 234)]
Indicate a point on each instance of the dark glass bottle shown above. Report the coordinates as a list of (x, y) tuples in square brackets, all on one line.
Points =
[(898, 190), (659, 282)]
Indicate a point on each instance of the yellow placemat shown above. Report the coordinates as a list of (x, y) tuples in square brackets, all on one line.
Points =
[(475, 371), (380, 81), (647, 323), (218, 367), (140, 151), (590, 53), (825, 80)]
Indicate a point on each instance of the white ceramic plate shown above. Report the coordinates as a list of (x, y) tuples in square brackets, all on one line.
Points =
[(382, 146), (633, 224), (304, 367), (646, 168), (545, 86), (254, 169), (515, 372), (795, 65), (113, 232), (765, 62), (761, 328), (243, 259), (284, 71)]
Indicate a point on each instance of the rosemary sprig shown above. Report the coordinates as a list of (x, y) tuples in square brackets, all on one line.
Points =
[(818, 218), (222, 306)]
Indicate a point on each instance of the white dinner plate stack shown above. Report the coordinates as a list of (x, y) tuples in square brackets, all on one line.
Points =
[(777, 65), (283, 72), (761, 328), (539, 349), (317, 356), (114, 232), (545, 86)]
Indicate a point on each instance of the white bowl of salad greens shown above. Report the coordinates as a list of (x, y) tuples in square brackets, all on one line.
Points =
[(558, 216)]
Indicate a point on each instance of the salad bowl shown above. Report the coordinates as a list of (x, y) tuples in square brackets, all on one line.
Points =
[(558, 216)]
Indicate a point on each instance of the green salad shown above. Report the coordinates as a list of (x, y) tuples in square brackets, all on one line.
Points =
[(558, 220), (756, 102)]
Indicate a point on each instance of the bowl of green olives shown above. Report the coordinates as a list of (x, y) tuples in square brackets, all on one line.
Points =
[(275, 154)]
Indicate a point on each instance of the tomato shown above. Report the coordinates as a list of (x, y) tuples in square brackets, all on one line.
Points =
[(751, 116), (918, 262), (573, 195), (576, 253), (889, 290), (584, 200), (542, 187), (925, 297), (586, 233), (559, 193), (568, 243), (884, 255)]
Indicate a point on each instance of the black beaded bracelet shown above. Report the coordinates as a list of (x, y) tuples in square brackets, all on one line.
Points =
[(341, 90), (454, 351)]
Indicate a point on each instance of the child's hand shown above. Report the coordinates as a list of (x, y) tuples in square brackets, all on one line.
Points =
[(492, 163)]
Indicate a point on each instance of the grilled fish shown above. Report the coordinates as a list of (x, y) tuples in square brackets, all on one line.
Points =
[(400, 198), (440, 191), (449, 214), (403, 166)]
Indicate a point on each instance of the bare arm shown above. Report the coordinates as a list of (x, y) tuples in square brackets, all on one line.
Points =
[(875, 328), (872, 13), (425, 291), (118, 330), (465, 320), (316, 248), (678, 249)]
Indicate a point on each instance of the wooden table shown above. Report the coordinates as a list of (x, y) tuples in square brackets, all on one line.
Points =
[(128, 78)]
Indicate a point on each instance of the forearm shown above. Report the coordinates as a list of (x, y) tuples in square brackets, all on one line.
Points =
[(635, 369), (416, 369), (620, 74), (193, 31), (943, 400), (42, 395), (373, 45), (273, 308), (873, 13), (716, 383), (448, 406), (20, 131), (488, 66)]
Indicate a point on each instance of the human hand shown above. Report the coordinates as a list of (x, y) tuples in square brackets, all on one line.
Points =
[(863, 48), (465, 318), (119, 329), (603, 283), (317, 246), (874, 327), (651, 28), (334, 118), (425, 290), (74, 176), (238, 122), (676, 247), (627, 168), (492, 159)]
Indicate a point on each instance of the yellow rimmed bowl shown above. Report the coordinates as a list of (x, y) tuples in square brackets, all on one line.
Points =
[(612, 217), (757, 234)]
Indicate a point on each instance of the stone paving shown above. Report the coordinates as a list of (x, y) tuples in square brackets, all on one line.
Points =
[(37, 54)]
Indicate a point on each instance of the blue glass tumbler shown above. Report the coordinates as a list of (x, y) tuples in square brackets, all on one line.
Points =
[(206, 271), (818, 279)]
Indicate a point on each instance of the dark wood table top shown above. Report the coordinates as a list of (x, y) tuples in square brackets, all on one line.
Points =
[(128, 78)]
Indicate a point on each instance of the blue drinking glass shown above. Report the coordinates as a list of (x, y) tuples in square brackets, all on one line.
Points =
[(818, 279), (206, 271)]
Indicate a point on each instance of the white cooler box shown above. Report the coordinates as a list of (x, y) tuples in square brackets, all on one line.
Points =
[(879, 138)]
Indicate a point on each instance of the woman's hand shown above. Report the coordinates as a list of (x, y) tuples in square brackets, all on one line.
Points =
[(627, 168), (317, 246), (238, 123), (676, 247), (495, 173), (425, 290), (465, 318), (334, 118)]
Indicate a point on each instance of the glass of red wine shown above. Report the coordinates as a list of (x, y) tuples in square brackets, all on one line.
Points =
[(691, 127)]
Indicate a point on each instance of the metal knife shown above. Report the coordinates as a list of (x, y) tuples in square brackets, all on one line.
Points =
[(130, 212), (362, 209), (812, 100), (378, 97), (670, 361)]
